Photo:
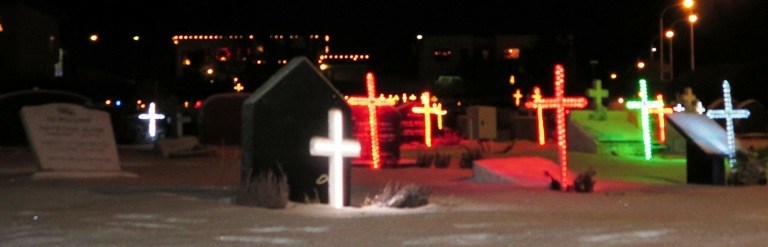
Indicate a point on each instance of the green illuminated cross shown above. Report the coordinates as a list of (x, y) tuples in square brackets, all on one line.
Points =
[(597, 94), (644, 105)]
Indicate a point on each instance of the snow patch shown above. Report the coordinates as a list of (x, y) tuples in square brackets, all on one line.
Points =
[(276, 229), (472, 226), (136, 216), (144, 225), (625, 237), (260, 240), (324, 210), (459, 239), (150, 217), (29, 236)]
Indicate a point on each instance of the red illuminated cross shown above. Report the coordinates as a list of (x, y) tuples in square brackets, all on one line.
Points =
[(372, 102), (560, 103), (439, 112), (426, 109), (536, 97), (661, 111)]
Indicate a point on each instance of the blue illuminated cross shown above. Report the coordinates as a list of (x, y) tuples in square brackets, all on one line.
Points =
[(728, 113)]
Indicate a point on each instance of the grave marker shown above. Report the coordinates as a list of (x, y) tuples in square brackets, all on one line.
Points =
[(221, 119), (412, 124), (517, 95), (560, 103), (661, 112), (689, 99), (426, 109), (536, 99), (152, 116), (180, 121), (278, 121), (644, 105), (335, 147), (597, 94), (371, 102), (68, 138), (728, 113)]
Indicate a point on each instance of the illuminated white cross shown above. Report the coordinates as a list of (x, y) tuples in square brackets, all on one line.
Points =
[(335, 147), (151, 115), (700, 108), (678, 108), (728, 113)]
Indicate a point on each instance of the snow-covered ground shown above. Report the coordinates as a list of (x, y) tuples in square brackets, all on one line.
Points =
[(185, 202)]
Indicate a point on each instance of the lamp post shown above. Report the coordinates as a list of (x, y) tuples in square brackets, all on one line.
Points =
[(692, 18), (688, 4), (670, 35)]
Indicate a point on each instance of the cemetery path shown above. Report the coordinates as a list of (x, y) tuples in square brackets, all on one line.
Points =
[(185, 202)]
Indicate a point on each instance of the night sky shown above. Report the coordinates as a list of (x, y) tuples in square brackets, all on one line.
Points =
[(615, 33)]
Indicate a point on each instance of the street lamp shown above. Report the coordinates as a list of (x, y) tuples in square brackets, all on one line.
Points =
[(688, 4), (692, 18), (670, 34)]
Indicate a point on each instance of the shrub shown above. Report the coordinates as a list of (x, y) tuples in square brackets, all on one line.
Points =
[(442, 161), (268, 189), (395, 196)]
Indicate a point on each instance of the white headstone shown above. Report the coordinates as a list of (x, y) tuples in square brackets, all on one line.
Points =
[(71, 138)]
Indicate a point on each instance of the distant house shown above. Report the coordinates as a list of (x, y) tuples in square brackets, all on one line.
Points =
[(442, 55), (214, 63), (471, 66), (29, 46)]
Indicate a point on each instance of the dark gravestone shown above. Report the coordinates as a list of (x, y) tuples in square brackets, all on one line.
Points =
[(706, 150), (388, 130), (280, 118), (12, 133), (221, 119), (412, 123)]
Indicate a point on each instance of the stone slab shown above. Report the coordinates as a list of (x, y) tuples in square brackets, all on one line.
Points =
[(68, 137)]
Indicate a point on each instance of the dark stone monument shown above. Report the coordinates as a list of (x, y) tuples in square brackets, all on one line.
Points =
[(221, 119), (279, 119), (12, 133), (706, 150), (412, 123)]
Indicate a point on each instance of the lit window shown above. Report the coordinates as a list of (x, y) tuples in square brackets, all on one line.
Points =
[(442, 54), (512, 53)]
